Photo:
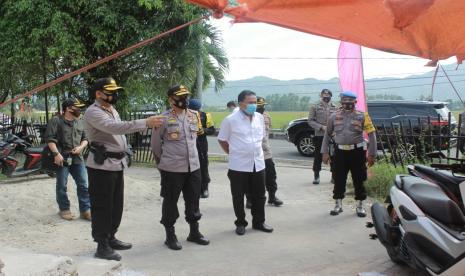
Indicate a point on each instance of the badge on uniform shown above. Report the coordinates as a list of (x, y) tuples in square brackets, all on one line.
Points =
[(174, 135), (172, 120)]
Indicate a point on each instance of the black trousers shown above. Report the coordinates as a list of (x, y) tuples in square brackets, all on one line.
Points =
[(355, 162), (106, 191), (253, 184), (318, 157), (202, 148), (270, 177), (172, 184)]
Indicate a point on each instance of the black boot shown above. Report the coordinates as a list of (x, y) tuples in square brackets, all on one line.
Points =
[(119, 245), (196, 236), (205, 194), (316, 179), (171, 239), (104, 251), (273, 200)]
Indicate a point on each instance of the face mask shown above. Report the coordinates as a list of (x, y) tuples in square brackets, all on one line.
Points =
[(348, 106), (250, 109), (114, 98), (181, 102), (261, 109), (76, 112), (326, 99)]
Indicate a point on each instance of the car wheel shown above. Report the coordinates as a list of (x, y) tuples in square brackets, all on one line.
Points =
[(305, 144)]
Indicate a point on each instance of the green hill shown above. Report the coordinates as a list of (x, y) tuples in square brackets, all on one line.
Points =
[(410, 88)]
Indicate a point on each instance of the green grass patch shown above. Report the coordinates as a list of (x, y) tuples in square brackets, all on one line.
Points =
[(380, 179), (279, 119)]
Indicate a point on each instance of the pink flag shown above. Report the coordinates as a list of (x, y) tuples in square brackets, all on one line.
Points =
[(350, 67)]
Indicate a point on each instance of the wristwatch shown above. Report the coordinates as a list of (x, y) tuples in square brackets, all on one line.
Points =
[(55, 153)]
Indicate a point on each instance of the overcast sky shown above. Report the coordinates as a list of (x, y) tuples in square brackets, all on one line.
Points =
[(263, 40)]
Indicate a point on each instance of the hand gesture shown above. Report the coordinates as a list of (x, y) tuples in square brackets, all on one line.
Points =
[(59, 160), (154, 121), (326, 158), (76, 151)]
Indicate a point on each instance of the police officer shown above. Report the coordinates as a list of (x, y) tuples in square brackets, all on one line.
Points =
[(175, 152), (270, 171), (317, 119), (348, 126), (208, 128), (105, 164)]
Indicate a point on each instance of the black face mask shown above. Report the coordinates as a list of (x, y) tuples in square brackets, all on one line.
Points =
[(348, 106), (76, 112), (181, 102), (260, 109), (114, 98), (326, 99)]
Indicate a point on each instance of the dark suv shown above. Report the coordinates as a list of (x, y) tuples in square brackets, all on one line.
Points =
[(383, 113)]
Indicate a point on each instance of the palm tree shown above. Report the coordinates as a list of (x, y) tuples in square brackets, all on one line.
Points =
[(202, 59)]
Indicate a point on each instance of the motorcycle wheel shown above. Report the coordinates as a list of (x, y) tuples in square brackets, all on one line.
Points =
[(381, 219)]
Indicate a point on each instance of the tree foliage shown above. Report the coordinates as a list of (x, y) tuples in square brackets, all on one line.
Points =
[(287, 102), (41, 40)]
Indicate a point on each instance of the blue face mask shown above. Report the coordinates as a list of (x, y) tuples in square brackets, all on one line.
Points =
[(250, 109)]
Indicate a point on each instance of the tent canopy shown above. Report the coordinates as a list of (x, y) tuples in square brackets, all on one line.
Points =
[(431, 29)]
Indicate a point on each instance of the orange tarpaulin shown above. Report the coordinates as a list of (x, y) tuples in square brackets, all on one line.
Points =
[(432, 29)]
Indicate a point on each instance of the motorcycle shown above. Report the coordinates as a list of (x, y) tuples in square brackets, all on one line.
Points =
[(13, 148), (423, 226)]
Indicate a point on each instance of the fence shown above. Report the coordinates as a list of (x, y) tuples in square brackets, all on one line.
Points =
[(400, 142), (408, 141)]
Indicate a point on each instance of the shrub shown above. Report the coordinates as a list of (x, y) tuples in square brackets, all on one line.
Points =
[(380, 178)]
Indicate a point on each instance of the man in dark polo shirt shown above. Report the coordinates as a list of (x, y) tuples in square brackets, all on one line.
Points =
[(66, 139)]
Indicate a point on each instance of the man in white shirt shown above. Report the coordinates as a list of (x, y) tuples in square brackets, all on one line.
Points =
[(241, 135)]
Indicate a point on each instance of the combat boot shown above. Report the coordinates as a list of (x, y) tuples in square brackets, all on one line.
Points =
[(196, 236), (171, 239), (104, 251), (273, 200), (360, 210), (316, 179), (337, 209)]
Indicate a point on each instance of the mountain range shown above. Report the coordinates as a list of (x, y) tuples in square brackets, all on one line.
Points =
[(412, 87)]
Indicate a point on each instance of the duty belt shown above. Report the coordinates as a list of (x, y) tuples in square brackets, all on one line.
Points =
[(117, 155), (351, 146)]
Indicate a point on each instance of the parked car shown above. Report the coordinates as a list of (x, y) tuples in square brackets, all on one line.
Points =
[(386, 114)]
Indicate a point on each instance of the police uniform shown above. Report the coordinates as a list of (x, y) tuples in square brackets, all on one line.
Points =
[(104, 127), (270, 170), (175, 151), (207, 128), (350, 151), (317, 119)]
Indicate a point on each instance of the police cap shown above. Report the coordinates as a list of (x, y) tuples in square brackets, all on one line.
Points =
[(261, 101), (71, 102), (348, 94), (178, 90), (106, 84)]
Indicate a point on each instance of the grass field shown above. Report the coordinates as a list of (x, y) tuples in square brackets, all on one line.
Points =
[(279, 119)]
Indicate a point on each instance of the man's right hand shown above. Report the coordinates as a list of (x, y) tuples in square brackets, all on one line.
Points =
[(326, 158), (59, 160), (154, 121)]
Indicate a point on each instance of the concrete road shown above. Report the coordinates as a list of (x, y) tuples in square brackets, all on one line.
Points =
[(306, 240)]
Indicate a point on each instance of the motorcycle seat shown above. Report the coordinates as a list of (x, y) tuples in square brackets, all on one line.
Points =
[(433, 201), (445, 178), (34, 150)]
